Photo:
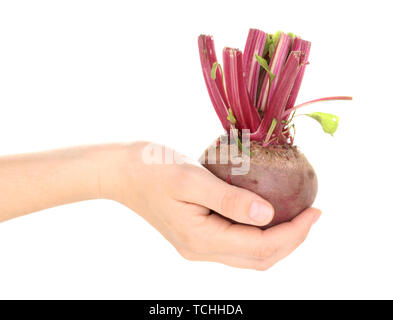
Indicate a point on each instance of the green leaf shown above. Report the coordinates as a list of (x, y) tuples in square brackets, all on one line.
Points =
[(292, 35), (263, 63), (213, 72), (287, 122), (239, 143), (293, 115), (276, 37), (329, 122), (272, 48), (231, 117), (271, 130), (244, 149), (269, 41)]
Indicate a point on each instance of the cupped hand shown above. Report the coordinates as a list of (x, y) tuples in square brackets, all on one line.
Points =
[(178, 200)]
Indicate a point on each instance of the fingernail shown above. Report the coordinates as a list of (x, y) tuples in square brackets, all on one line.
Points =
[(260, 212), (316, 217)]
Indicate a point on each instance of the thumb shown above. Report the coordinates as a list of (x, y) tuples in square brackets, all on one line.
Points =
[(232, 202)]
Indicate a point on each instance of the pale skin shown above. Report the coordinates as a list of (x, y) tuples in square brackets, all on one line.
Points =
[(176, 199)]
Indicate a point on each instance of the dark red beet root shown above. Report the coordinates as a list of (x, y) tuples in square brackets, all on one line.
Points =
[(280, 174)]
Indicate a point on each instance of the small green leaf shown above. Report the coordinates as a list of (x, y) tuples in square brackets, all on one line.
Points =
[(293, 115), (292, 35), (272, 47), (276, 37), (287, 122), (271, 130), (231, 117), (263, 63), (214, 70), (239, 143), (329, 122), (244, 149), (269, 41)]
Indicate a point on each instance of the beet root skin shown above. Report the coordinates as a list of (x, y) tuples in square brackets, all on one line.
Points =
[(280, 174)]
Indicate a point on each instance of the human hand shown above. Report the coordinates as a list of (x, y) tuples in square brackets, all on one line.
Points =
[(177, 200)]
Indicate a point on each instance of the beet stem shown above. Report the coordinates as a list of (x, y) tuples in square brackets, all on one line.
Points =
[(288, 112)]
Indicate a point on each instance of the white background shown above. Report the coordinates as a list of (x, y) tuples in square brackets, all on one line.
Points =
[(80, 72)]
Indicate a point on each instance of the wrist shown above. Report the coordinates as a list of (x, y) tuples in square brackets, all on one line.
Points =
[(109, 161), (118, 170)]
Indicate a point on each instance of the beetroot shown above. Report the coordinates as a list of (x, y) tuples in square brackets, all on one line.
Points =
[(254, 97), (280, 174)]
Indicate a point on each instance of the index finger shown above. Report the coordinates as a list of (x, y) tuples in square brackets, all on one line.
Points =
[(289, 235)]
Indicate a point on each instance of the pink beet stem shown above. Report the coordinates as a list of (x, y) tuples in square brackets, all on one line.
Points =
[(255, 44), (288, 112), (303, 46), (245, 113), (215, 87), (280, 96), (276, 65)]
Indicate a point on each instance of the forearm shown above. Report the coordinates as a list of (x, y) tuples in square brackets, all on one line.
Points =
[(36, 181)]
